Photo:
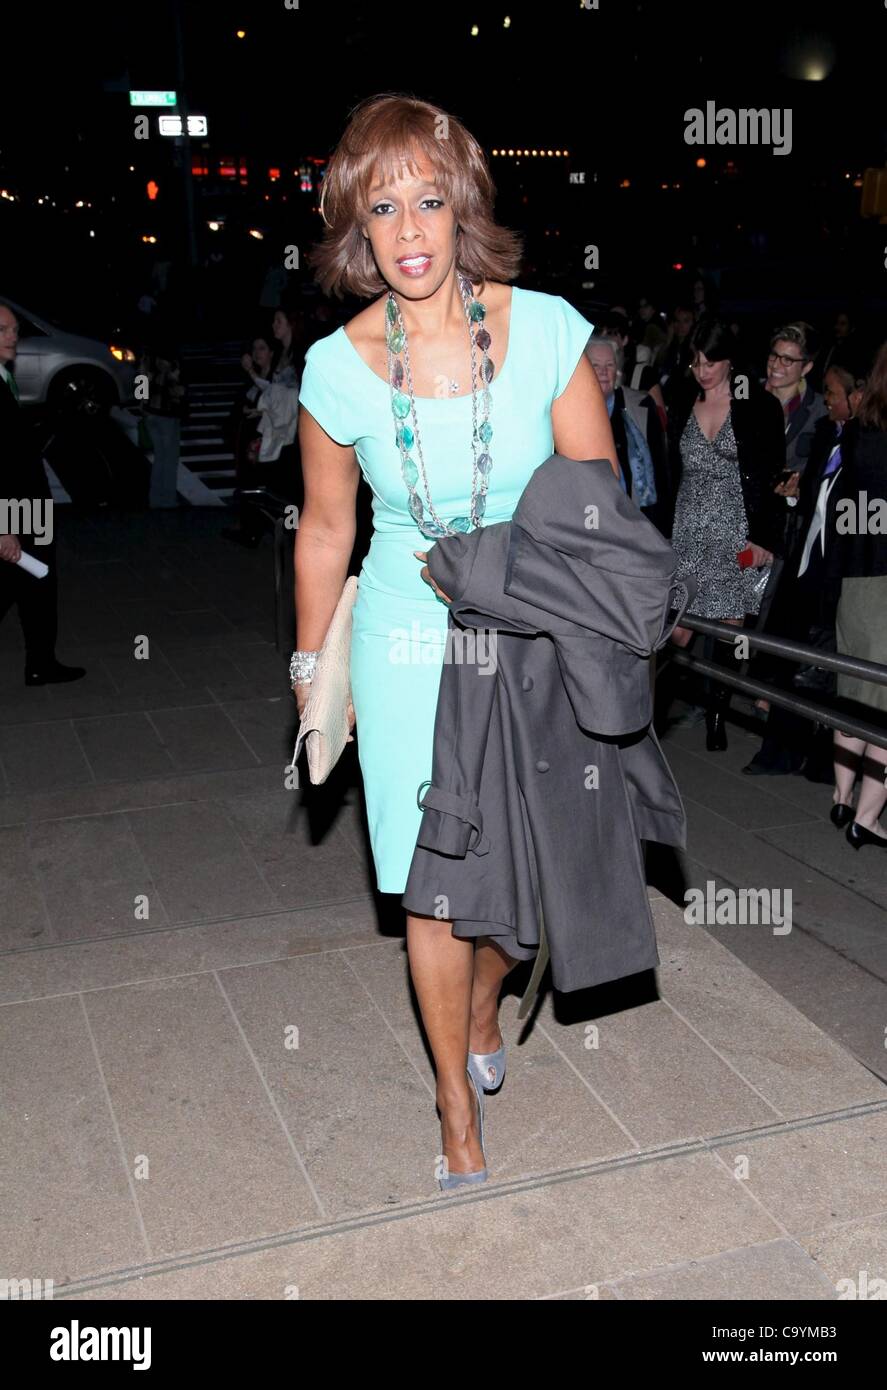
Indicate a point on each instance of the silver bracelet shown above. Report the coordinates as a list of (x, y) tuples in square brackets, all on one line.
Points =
[(302, 666)]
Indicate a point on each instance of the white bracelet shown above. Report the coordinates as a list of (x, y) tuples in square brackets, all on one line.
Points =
[(302, 666)]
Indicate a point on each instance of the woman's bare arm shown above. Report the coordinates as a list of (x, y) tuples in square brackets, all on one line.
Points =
[(579, 419), (326, 531)]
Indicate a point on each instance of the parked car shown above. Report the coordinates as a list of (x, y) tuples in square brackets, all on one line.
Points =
[(60, 369)]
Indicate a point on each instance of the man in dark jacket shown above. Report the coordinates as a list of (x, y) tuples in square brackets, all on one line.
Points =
[(25, 493), (806, 599)]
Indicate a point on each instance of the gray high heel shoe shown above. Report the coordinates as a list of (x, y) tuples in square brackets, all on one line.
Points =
[(488, 1068), (457, 1179)]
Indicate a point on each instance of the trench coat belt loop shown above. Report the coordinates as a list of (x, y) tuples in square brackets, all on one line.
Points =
[(448, 802)]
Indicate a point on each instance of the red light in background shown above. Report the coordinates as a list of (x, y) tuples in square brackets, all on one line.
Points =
[(274, 175), (152, 190), (678, 265)]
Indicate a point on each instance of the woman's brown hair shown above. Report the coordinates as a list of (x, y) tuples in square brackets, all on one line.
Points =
[(384, 133), (873, 406)]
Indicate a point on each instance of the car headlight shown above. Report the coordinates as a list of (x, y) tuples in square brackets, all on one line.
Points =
[(121, 353)]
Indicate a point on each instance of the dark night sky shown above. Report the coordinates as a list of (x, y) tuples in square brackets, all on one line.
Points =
[(612, 85), (620, 76)]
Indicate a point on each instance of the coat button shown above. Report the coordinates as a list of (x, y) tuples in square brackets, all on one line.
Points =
[(542, 765), (527, 683)]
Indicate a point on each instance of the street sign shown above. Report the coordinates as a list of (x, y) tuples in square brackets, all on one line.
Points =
[(152, 98), (172, 125)]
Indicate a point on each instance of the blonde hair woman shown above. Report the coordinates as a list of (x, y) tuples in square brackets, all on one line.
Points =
[(446, 392)]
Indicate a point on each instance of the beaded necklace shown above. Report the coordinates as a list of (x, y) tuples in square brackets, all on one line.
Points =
[(404, 404)]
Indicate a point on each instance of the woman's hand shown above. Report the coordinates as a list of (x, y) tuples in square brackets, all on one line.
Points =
[(246, 363), (301, 694), (760, 556), (423, 555)]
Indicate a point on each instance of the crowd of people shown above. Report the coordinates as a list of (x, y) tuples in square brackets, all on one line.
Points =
[(773, 491), (261, 429), (746, 472)]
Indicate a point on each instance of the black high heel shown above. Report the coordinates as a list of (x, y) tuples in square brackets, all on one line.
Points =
[(857, 836), (841, 814)]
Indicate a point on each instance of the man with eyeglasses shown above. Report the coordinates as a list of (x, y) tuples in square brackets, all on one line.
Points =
[(23, 480)]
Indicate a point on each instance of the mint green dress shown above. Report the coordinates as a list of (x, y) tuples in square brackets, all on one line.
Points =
[(400, 625)]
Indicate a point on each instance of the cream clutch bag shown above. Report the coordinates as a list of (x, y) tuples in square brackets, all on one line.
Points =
[(324, 723)]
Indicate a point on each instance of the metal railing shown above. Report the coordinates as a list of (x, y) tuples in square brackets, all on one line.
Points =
[(832, 717), (272, 507)]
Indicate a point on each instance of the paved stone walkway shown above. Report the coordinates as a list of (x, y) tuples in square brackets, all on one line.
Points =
[(216, 1084)]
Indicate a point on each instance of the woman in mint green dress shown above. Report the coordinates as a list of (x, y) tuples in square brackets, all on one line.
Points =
[(446, 393)]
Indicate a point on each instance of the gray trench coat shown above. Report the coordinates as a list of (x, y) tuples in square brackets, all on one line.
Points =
[(546, 773)]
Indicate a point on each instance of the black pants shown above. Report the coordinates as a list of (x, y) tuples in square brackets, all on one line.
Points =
[(36, 600), (801, 611)]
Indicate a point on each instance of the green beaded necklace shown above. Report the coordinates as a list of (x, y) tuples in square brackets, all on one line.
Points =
[(404, 404)]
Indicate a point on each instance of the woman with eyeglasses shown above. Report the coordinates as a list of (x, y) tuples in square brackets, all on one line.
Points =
[(789, 365)]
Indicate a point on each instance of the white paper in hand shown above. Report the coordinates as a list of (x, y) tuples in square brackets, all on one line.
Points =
[(35, 567)]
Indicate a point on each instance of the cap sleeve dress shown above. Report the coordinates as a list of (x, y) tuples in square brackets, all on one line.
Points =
[(399, 624)]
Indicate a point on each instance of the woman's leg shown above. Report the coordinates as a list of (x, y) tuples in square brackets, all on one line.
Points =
[(491, 965), (442, 969), (848, 751), (872, 791)]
